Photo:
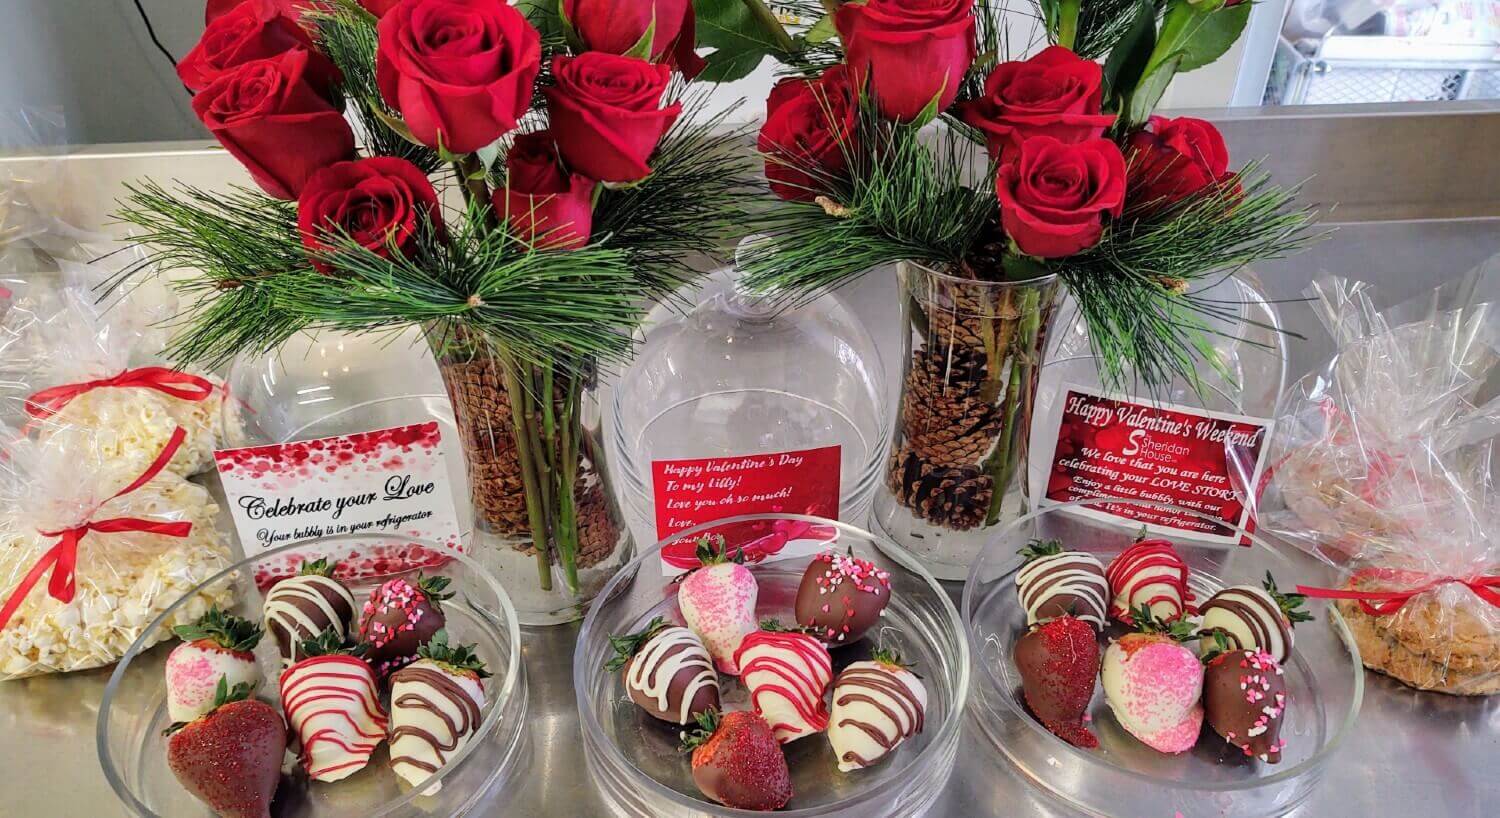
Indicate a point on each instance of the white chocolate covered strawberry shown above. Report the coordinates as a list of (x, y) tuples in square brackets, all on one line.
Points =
[(718, 602), (217, 648), (332, 704), (1154, 684), (787, 673)]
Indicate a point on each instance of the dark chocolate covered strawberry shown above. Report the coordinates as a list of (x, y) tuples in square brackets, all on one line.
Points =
[(230, 758), (738, 762), (841, 597), (1245, 699), (1059, 663), (400, 617)]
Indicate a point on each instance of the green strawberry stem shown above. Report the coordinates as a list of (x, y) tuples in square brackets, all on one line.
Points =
[(628, 645), (226, 630), (1290, 604), (435, 588), (714, 550), (890, 656), (223, 694), (708, 724), (1179, 629), (1036, 549), (460, 658), (1221, 645), (329, 643), (317, 568)]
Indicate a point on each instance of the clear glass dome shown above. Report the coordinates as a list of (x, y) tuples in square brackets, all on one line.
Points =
[(738, 376)]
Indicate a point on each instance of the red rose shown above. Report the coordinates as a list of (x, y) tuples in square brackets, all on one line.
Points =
[(267, 116), (380, 202), (810, 125), (254, 30), (606, 113), (1176, 158), (543, 203), (908, 51), (616, 26), (291, 8), (1056, 93), (458, 71), (1053, 195)]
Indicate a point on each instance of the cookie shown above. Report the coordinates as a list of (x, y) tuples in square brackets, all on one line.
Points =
[(1383, 653), (1448, 624)]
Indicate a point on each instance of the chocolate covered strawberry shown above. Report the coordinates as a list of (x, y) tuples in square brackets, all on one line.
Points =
[(738, 762), (216, 648), (435, 708), (399, 617), (841, 597), (1153, 684), (1059, 663), (332, 703), (1251, 618), (718, 601), (787, 674), (230, 757)]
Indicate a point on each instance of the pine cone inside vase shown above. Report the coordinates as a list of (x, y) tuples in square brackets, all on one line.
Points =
[(484, 426), (946, 416), (955, 497)]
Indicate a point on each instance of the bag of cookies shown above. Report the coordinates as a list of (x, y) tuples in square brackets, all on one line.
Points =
[(1386, 463), (67, 356), (93, 548)]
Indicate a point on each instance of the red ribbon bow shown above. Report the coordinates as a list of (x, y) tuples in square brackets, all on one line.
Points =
[(1384, 603), (183, 385), (62, 558)]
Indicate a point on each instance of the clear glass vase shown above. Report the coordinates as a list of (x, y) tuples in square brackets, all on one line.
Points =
[(971, 354), (545, 519)]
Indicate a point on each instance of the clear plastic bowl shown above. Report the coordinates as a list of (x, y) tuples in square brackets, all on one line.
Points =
[(1123, 776), (133, 713), (634, 760)]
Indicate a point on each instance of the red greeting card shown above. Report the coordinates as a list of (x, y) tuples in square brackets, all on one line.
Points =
[(693, 492), (1108, 446)]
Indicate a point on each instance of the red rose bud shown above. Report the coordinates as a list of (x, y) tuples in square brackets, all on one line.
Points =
[(544, 204), (1056, 93), (908, 52), (606, 114), (269, 118), (380, 202), (254, 30), (1175, 159), (1053, 195), (459, 73), (810, 129), (615, 26)]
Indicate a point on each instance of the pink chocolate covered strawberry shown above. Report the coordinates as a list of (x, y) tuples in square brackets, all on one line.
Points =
[(738, 763), (230, 757), (215, 649), (718, 601), (1153, 684)]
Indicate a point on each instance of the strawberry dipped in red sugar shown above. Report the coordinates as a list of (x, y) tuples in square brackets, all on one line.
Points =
[(841, 597), (1148, 573), (216, 648), (787, 673), (717, 601), (332, 703), (230, 757), (1153, 684), (399, 618), (738, 762), (1059, 664)]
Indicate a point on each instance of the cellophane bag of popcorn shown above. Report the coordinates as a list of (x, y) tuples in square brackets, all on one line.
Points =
[(68, 355), (1385, 464), (94, 547)]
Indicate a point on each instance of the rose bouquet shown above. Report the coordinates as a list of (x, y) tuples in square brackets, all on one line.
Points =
[(1036, 177), (519, 182)]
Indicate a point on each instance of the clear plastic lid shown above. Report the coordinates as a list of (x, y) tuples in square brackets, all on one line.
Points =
[(738, 378)]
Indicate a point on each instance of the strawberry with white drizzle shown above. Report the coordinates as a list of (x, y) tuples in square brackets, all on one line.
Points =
[(718, 601), (787, 673), (332, 704), (1149, 573)]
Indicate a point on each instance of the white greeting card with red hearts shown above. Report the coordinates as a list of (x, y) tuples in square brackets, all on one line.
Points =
[(384, 482)]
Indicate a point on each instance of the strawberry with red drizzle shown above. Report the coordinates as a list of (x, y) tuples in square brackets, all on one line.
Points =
[(399, 618), (1148, 573), (841, 597), (787, 672), (1059, 663), (230, 757), (738, 762), (215, 649), (332, 703)]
